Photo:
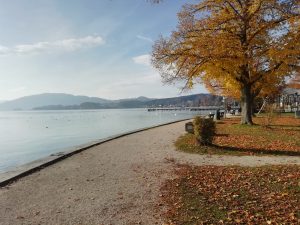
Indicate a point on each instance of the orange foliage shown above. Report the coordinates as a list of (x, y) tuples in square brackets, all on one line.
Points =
[(238, 48), (232, 195)]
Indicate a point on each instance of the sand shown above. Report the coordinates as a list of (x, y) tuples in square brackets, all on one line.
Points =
[(117, 182)]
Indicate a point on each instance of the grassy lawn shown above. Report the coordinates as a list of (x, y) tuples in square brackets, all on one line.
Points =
[(281, 136), (233, 195)]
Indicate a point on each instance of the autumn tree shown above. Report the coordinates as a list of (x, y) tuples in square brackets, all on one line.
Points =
[(242, 47)]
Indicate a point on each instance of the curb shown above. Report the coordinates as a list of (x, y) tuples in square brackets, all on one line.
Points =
[(32, 167)]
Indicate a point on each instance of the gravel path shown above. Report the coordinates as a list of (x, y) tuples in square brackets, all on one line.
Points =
[(117, 182)]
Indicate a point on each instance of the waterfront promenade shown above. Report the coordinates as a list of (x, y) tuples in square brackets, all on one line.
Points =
[(117, 182)]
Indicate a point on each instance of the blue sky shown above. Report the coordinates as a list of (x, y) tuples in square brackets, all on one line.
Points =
[(83, 47)]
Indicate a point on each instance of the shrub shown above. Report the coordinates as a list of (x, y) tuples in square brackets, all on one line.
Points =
[(204, 130)]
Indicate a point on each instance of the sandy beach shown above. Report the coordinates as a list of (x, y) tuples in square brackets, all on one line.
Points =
[(117, 182)]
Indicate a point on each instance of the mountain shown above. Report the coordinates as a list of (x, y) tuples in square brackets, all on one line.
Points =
[(30, 102), (189, 100), (140, 99), (143, 99), (65, 102)]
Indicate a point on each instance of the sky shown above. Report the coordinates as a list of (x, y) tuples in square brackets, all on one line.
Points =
[(84, 47)]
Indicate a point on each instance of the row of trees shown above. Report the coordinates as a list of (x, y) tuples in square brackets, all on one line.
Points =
[(238, 48)]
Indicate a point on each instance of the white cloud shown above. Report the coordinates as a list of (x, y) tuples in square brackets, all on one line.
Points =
[(72, 44), (143, 60), (145, 38)]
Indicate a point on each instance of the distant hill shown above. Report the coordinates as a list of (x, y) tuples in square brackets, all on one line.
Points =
[(65, 102), (190, 100), (33, 101), (140, 99)]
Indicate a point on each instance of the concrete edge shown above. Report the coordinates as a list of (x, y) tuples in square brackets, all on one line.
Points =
[(37, 165)]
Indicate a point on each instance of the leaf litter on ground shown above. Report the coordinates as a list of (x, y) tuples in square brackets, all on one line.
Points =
[(232, 195)]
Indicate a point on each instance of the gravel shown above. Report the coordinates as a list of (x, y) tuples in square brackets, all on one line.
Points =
[(117, 182)]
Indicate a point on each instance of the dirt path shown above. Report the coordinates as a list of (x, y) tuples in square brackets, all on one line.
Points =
[(114, 183)]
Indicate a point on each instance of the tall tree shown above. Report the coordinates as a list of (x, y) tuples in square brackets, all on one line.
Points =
[(241, 47)]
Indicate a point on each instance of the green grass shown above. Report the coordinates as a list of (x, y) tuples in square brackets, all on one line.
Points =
[(280, 137), (187, 143), (194, 207)]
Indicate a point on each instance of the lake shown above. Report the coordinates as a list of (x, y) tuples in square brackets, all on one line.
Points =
[(29, 135)]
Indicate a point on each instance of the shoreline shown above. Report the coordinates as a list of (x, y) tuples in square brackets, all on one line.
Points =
[(117, 182), (21, 171)]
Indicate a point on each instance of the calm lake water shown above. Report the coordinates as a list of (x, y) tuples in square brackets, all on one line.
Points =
[(29, 135)]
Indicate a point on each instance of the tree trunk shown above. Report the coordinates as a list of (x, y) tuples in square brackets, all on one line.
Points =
[(246, 104), (253, 108)]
